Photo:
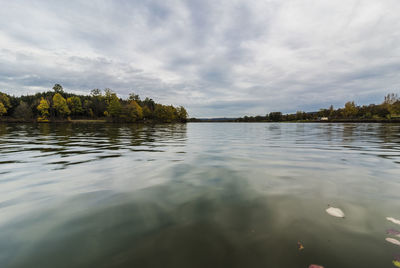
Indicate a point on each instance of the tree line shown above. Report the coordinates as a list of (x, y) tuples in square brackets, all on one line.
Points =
[(388, 110), (58, 105)]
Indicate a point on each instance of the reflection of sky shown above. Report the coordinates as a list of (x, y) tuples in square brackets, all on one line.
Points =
[(216, 58), (45, 161), (109, 193)]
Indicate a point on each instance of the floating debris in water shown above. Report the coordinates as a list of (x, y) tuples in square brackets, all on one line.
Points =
[(315, 266), (336, 212), (393, 220), (300, 245), (396, 263), (393, 232), (397, 257), (393, 241)]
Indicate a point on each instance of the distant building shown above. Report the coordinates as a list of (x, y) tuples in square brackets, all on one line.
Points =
[(324, 118)]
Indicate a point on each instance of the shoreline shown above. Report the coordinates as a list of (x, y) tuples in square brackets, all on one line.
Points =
[(104, 121), (395, 121), (83, 121)]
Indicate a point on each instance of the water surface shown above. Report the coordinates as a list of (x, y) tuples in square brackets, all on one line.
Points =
[(198, 195)]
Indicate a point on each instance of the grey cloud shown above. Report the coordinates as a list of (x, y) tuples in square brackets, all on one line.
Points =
[(225, 58)]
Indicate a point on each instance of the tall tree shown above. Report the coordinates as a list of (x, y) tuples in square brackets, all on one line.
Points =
[(60, 105), (97, 105), (43, 108), (58, 88), (114, 107), (182, 114), (275, 116), (135, 97), (350, 109), (133, 112), (5, 103), (23, 111), (75, 105), (3, 109)]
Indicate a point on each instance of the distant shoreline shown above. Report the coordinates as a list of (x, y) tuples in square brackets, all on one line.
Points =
[(299, 121), (82, 121), (104, 121)]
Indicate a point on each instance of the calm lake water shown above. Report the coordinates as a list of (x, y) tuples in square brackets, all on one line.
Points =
[(198, 195)]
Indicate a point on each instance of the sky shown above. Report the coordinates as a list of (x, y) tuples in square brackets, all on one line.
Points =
[(224, 58)]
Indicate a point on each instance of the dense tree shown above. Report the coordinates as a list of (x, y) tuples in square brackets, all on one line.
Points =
[(134, 97), (147, 113), (57, 103), (3, 109), (5, 103), (275, 116), (388, 110), (43, 108), (114, 107), (182, 114), (75, 105), (132, 111), (109, 95), (331, 111), (23, 111), (58, 88), (60, 105), (87, 104), (165, 113), (300, 115), (96, 105), (350, 109), (149, 103), (392, 104)]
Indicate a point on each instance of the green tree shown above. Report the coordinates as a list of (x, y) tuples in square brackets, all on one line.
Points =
[(114, 107), (60, 105), (58, 88), (165, 113), (3, 109), (23, 111), (43, 108), (5, 100), (87, 104), (75, 105), (97, 104), (331, 111), (4, 103), (392, 103), (133, 112), (395, 108), (108, 95), (134, 97), (149, 103), (300, 115), (182, 114), (350, 109), (275, 116), (147, 113)]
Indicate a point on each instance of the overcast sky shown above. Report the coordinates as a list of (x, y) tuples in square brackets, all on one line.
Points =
[(217, 58)]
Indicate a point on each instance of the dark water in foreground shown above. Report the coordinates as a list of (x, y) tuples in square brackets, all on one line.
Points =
[(198, 195)]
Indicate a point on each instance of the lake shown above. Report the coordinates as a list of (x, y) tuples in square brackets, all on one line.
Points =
[(198, 195)]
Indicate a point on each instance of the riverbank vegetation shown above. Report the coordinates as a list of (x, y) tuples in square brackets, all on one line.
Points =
[(57, 106), (387, 111)]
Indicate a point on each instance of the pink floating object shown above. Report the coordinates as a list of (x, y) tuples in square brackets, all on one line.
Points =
[(315, 266), (393, 232)]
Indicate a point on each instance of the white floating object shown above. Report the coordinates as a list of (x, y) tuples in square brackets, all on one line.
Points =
[(335, 212), (393, 241), (393, 220)]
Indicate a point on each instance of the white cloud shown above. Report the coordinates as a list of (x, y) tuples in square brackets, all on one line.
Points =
[(224, 58)]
